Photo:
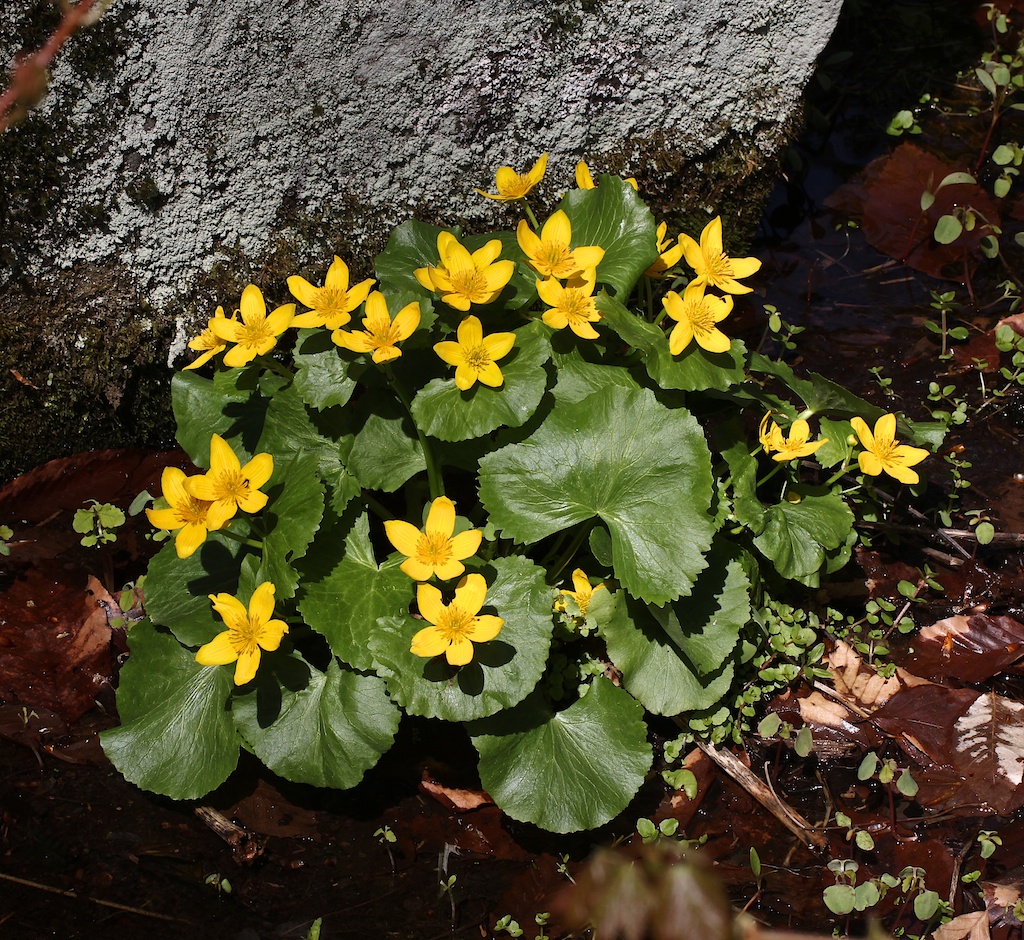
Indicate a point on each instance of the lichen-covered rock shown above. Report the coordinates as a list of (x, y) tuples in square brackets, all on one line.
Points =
[(187, 147)]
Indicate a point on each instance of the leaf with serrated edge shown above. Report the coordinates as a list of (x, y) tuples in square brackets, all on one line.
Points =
[(322, 728), (568, 770), (659, 674), (623, 457), (346, 605), (176, 735)]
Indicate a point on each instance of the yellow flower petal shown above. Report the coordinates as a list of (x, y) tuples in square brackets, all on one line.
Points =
[(247, 665), (428, 600), (459, 652), (441, 517), (429, 642), (218, 652), (485, 627)]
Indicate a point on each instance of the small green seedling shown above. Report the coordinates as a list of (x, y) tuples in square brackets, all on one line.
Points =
[(6, 534), (97, 523)]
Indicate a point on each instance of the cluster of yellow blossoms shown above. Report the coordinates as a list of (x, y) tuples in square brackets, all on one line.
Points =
[(435, 551), (881, 454)]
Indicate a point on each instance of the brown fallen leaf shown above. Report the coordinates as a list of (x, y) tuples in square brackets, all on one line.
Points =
[(973, 926), (1002, 896), (859, 684), (453, 797), (837, 731), (971, 649)]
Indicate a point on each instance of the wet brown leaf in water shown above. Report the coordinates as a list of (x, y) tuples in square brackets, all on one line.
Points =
[(54, 644), (859, 684), (971, 649), (973, 926), (886, 196), (922, 720), (1002, 896)]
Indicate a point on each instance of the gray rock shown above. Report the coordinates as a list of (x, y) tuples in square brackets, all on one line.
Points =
[(183, 136)]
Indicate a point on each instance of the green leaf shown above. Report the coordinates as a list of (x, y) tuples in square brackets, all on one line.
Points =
[(926, 905), (694, 369), (226, 405), (796, 535), (578, 378), (948, 229), (322, 728), (660, 674), (346, 604), (620, 456), (443, 411), (386, 451), (322, 376), (613, 216), (176, 735), (290, 520), (568, 770), (840, 899), (290, 429), (503, 671), (819, 394), (835, 450), (178, 589)]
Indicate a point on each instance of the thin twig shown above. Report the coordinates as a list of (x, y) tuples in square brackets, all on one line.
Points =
[(83, 897), (28, 81), (789, 817)]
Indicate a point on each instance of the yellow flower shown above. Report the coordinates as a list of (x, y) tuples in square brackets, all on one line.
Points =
[(550, 254), (712, 265), (668, 254), (229, 485), (512, 185), (248, 631), (334, 302), (572, 305), (454, 628), (585, 181), (257, 333), (382, 334), (583, 593), (476, 356), (434, 551), (791, 448), (462, 278), (696, 316), (208, 342), (185, 513), (881, 452)]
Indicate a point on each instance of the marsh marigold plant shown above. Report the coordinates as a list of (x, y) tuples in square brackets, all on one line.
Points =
[(402, 465)]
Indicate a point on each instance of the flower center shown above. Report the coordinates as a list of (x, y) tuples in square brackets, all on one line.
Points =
[(434, 549), (719, 266), (556, 258), (232, 485), (245, 635), (519, 186), (476, 357), (469, 282), (256, 333), (332, 301), (576, 305), (382, 332), (700, 317), (454, 623), (193, 511)]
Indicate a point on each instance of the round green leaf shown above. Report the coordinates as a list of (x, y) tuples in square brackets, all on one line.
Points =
[(443, 411), (178, 589), (411, 245), (322, 376), (659, 673), (345, 605), (176, 735), (613, 216), (694, 369), (503, 671), (568, 770), (322, 728), (290, 520), (623, 457), (578, 378), (386, 451), (228, 405), (796, 535), (948, 229)]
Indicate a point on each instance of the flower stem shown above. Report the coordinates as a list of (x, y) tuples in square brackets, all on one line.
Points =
[(378, 508), (569, 553), (434, 479), (274, 366), (778, 466), (241, 539), (529, 214)]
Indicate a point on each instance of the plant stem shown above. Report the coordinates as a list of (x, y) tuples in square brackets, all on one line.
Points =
[(529, 214), (569, 553), (274, 366), (242, 540), (379, 509), (434, 479)]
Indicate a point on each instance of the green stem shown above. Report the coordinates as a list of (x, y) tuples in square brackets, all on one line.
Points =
[(274, 366), (778, 466), (529, 214), (433, 470), (569, 553), (379, 509), (252, 543)]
